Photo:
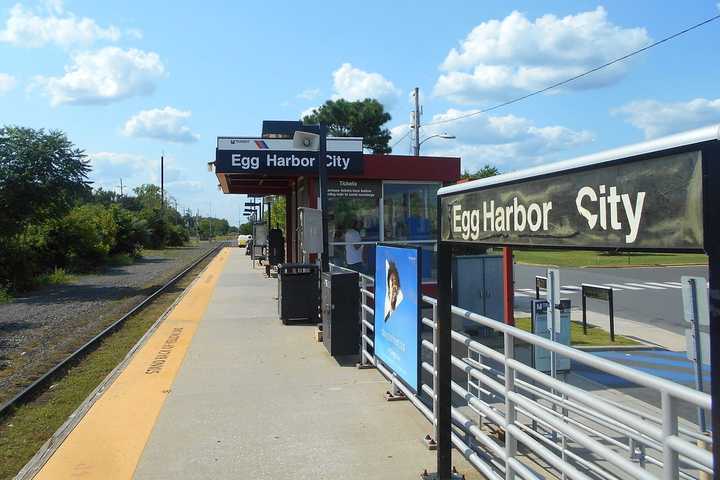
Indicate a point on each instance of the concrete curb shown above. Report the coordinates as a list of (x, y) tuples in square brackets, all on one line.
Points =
[(660, 265)]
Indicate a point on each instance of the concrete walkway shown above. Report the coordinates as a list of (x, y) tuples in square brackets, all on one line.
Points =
[(222, 390), (256, 399)]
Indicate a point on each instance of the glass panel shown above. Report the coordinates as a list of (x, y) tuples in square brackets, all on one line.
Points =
[(410, 211), (428, 260), (366, 255), (353, 219)]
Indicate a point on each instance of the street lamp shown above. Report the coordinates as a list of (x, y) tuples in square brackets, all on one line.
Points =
[(438, 135)]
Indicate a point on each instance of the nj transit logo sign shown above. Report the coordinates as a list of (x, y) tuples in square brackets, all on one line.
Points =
[(397, 311)]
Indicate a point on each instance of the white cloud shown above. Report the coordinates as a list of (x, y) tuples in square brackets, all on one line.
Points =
[(25, 28), (7, 83), (162, 124), (309, 94), (508, 142), (104, 76), (656, 118), (109, 167), (504, 58), (353, 84), (307, 111)]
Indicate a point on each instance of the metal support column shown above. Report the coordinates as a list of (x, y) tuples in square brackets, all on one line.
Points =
[(714, 310), (322, 175), (444, 365), (508, 286)]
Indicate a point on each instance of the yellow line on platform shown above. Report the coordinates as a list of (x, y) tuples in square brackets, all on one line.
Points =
[(109, 440)]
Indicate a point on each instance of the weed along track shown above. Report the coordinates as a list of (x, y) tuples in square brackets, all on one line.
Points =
[(32, 416)]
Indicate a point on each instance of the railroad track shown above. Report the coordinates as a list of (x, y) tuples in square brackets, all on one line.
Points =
[(39, 385)]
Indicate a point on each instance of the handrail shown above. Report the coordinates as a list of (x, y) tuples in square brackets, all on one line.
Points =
[(595, 424)]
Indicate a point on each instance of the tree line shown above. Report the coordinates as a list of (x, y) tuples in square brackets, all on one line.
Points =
[(51, 218)]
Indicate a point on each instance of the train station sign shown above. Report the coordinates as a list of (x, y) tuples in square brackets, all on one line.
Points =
[(654, 203), (278, 157)]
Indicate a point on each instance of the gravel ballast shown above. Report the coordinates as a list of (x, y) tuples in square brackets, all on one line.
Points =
[(41, 328)]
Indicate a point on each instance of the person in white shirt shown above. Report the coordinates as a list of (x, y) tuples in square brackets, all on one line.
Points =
[(353, 249)]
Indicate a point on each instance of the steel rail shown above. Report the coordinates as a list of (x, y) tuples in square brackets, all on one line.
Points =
[(34, 388)]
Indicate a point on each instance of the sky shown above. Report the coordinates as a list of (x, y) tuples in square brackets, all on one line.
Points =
[(131, 81)]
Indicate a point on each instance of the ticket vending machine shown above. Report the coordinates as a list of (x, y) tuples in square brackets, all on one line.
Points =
[(310, 231), (541, 327)]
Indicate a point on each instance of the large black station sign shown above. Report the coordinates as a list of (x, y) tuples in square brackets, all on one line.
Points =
[(647, 204), (278, 157)]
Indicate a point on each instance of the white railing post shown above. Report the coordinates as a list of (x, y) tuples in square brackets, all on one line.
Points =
[(510, 415), (434, 377), (363, 330), (670, 429)]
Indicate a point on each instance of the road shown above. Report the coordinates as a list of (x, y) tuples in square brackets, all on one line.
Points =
[(649, 295), (652, 296)]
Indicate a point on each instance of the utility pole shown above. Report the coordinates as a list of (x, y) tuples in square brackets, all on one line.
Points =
[(416, 122), (162, 182), (121, 187)]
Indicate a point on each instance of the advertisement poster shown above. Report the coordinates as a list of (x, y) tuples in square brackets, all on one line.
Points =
[(397, 311)]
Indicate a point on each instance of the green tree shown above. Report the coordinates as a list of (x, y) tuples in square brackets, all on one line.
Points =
[(245, 229), (277, 213), (361, 118), (486, 171), (148, 196), (42, 174)]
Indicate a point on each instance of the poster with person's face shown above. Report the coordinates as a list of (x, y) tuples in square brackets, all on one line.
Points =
[(397, 311)]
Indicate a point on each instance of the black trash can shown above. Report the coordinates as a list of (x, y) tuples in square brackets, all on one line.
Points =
[(298, 292)]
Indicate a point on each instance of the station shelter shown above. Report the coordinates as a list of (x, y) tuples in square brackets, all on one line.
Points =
[(383, 198)]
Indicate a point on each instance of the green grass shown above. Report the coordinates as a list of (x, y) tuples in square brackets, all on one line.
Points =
[(596, 336), (587, 258), (120, 260), (25, 430), (58, 276), (5, 296)]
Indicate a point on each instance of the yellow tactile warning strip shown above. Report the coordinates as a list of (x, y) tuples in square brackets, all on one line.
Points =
[(109, 440)]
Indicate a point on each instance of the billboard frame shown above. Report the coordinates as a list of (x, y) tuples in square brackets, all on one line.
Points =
[(418, 314)]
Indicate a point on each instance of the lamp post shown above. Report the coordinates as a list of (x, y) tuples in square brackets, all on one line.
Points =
[(438, 135)]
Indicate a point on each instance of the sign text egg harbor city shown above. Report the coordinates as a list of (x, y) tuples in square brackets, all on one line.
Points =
[(276, 156), (653, 203)]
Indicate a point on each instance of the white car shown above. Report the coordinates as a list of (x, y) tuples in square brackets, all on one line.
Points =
[(243, 240)]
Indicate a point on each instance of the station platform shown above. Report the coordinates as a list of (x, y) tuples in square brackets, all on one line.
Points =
[(222, 389)]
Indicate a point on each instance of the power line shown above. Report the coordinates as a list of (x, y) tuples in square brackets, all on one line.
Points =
[(559, 84), (400, 139)]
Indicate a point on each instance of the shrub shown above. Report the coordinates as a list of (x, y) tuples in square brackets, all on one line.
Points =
[(132, 232), (5, 296), (84, 237), (176, 236), (55, 277), (24, 256)]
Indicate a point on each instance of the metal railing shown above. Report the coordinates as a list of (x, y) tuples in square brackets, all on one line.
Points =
[(511, 420)]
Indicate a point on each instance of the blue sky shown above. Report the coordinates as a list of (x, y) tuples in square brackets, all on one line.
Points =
[(130, 80)]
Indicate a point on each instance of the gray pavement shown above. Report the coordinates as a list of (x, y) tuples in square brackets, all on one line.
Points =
[(649, 296), (256, 399)]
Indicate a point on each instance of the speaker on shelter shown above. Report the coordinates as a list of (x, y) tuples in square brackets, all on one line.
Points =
[(306, 141)]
